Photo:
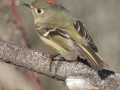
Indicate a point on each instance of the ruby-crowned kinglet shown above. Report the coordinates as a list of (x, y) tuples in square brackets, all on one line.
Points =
[(59, 29)]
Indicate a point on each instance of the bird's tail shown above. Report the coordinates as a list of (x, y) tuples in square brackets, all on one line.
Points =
[(93, 58)]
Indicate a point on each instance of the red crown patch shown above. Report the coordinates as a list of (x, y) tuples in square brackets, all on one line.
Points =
[(51, 1)]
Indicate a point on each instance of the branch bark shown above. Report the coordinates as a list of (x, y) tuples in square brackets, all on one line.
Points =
[(61, 70)]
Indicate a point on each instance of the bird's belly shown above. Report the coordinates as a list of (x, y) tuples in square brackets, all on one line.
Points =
[(53, 45)]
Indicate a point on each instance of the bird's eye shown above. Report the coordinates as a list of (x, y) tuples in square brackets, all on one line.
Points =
[(39, 11)]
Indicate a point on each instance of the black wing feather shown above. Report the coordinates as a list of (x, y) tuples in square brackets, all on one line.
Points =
[(85, 34)]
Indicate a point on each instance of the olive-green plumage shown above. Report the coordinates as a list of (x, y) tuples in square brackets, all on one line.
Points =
[(59, 29)]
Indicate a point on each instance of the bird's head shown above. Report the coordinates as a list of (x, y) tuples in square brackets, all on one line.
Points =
[(42, 9)]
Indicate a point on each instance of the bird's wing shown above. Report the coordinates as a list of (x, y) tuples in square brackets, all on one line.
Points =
[(87, 46), (59, 39), (81, 29)]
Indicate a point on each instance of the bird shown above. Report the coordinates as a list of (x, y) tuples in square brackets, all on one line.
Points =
[(64, 33)]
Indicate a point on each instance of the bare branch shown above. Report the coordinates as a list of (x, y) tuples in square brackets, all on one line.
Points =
[(39, 62)]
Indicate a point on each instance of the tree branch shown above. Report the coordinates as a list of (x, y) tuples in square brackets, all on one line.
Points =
[(61, 70)]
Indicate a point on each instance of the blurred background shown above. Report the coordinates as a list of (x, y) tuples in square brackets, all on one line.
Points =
[(101, 17)]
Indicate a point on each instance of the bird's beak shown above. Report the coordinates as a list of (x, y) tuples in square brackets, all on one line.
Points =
[(27, 5)]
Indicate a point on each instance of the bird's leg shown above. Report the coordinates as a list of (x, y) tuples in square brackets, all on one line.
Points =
[(51, 59), (77, 59)]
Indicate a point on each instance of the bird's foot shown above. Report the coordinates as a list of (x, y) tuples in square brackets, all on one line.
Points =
[(51, 58)]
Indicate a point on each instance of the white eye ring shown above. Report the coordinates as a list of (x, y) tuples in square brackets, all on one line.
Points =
[(39, 11)]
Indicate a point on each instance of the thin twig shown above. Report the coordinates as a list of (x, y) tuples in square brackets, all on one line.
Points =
[(20, 23), (22, 28)]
